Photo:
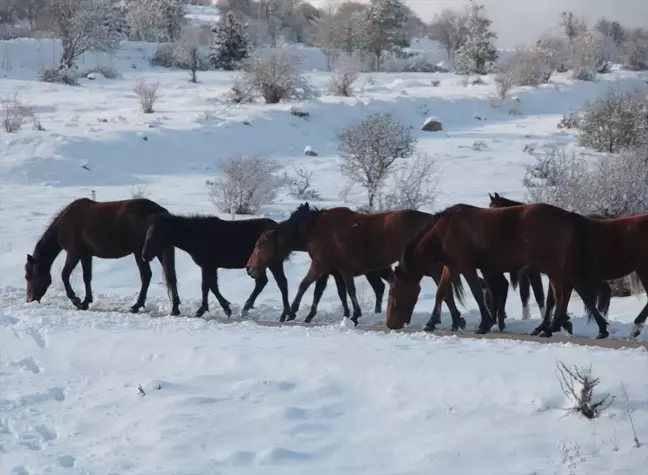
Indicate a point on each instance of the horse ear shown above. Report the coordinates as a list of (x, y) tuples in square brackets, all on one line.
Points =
[(30, 260), (497, 195), (491, 196)]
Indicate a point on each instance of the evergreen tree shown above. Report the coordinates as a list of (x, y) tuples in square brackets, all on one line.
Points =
[(387, 21), (478, 53), (231, 43)]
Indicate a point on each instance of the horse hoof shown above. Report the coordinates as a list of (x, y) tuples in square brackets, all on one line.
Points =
[(429, 328), (545, 334), (200, 312), (536, 331), (134, 309), (308, 319), (290, 318), (175, 312), (602, 335), (569, 327), (355, 321), (462, 323), (634, 335), (482, 331)]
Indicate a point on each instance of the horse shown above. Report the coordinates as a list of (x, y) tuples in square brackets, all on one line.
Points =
[(352, 242), (466, 238), (108, 230), (215, 243), (604, 294)]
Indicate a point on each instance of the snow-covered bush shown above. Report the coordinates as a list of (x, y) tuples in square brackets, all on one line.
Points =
[(231, 43), (587, 58), (478, 54), (300, 185), (106, 71), (616, 121), (146, 94), (611, 186), (416, 184), (276, 76), (13, 114), (635, 52), (369, 150), (527, 67), (246, 183), (61, 75), (556, 51), (345, 74)]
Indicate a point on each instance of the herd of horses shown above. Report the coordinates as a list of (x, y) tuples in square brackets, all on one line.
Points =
[(576, 253)]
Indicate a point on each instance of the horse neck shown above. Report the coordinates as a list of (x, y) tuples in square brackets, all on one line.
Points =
[(47, 248), (181, 232)]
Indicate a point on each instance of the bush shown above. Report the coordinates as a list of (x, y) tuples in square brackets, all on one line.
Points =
[(147, 95), (105, 71), (635, 53), (345, 74), (370, 148), (612, 186), (184, 54), (587, 58), (528, 67), (61, 75), (616, 121), (276, 77), (246, 183), (14, 114), (300, 185), (415, 185)]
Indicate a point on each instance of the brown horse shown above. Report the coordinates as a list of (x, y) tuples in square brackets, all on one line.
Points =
[(339, 238), (466, 238), (531, 276), (109, 230)]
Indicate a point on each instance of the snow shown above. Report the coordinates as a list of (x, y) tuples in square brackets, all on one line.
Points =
[(242, 398)]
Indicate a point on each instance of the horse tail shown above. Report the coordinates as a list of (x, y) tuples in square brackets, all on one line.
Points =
[(515, 279), (588, 271), (636, 287), (168, 266), (458, 290)]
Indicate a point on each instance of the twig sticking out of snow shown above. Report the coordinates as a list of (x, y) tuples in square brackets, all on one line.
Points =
[(627, 406), (582, 398)]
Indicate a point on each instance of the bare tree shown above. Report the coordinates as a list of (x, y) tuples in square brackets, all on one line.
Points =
[(276, 76), (449, 28), (246, 183), (351, 27), (612, 29), (324, 36), (301, 185), (578, 385), (416, 184), (84, 25), (188, 51), (635, 50), (572, 26), (370, 148), (345, 74)]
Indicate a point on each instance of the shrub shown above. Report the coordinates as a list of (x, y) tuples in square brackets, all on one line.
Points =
[(105, 71), (301, 185), (276, 77), (14, 114), (370, 148), (246, 183), (61, 75), (415, 185), (147, 95), (345, 74)]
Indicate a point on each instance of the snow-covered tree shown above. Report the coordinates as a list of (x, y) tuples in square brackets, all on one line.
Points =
[(387, 21), (156, 20), (231, 43), (187, 51), (351, 27), (449, 28), (478, 54), (572, 26), (84, 25)]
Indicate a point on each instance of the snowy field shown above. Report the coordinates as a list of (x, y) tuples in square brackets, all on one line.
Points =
[(246, 399)]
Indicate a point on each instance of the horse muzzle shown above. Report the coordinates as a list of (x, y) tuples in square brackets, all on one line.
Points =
[(251, 272)]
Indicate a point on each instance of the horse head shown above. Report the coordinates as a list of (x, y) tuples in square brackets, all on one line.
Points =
[(403, 294), (38, 278)]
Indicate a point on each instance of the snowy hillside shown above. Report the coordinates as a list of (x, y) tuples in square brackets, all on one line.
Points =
[(243, 398)]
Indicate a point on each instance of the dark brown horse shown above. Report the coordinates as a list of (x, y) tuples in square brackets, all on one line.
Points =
[(109, 230), (215, 243), (466, 239), (604, 294), (339, 238)]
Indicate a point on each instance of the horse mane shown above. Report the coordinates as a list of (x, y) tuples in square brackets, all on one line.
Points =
[(294, 230), (48, 240), (406, 255)]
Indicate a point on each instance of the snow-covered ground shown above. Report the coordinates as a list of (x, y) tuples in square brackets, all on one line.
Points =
[(247, 399)]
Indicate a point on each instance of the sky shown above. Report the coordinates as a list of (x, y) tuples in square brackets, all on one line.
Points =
[(523, 21)]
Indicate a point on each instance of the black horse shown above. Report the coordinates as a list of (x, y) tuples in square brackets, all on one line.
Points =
[(215, 243)]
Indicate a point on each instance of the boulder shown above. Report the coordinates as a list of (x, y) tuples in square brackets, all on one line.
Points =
[(310, 152), (432, 124)]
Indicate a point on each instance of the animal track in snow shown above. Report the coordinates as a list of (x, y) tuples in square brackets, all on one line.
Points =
[(27, 364)]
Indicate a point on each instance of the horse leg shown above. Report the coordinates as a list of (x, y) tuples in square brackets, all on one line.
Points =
[(486, 319), (500, 287), (342, 291), (525, 293), (320, 285), (145, 276), (604, 296), (315, 271), (546, 317), (590, 306), (374, 279), (71, 262), (350, 285), (535, 278), (562, 293), (444, 285), (277, 272), (640, 321), (259, 283), (205, 285), (168, 267), (457, 320), (86, 266), (213, 285)]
